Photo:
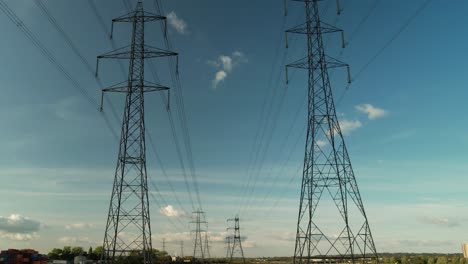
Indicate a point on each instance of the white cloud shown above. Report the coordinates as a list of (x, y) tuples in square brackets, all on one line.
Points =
[(347, 126), (217, 236), (219, 77), (322, 143), (249, 244), (170, 211), (19, 236), (16, 223), (76, 240), (178, 24), (226, 62), (78, 226), (225, 65), (371, 111), (439, 221), (19, 228), (173, 237)]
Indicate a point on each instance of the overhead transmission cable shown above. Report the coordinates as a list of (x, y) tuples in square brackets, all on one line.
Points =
[(385, 46), (51, 58), (256, 152), (74, 48), (180, 107)]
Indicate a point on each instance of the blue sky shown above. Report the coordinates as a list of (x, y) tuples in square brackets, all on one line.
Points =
[(403, 117)]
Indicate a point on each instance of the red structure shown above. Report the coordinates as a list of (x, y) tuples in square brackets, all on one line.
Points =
[(24, 256)]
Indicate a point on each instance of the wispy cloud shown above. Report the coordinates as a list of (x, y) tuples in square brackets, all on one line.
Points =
[(77, 240), (177, 23), (348, 126), (170, 211), (371, 111), (322, 143), (439, 221), (225, 65), (78, 226)]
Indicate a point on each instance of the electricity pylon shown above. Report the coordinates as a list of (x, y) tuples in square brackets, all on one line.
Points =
[(198, 252), (228, 246), (236, 240), (207, 245), (181, 249), (128, 228), (325, 235)]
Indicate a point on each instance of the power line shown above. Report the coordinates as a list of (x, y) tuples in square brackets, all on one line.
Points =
[(180, 106), (51, 58), (163, 170), (363, 21), (394, 37), (73, 47), (384, 47), (262, 130)]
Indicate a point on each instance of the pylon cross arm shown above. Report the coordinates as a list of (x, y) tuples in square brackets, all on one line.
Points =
[(324, 29), (123, 87), (147, 17), (330, 62), (126, 53)]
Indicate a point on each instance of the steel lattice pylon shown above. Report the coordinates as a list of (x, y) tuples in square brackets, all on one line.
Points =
[(327, 173), (207, 244), (236, 238), (128, 229), (228, 246), (198, 250)]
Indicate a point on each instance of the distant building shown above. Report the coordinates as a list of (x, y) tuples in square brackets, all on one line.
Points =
[(465, 250), (59, 261)]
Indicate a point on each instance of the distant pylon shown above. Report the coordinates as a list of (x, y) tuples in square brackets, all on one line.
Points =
[(128, 227), (228, 246), (207, 244), (198, 252), (181, 249), (329, 236), (164, 244), (236, 240)]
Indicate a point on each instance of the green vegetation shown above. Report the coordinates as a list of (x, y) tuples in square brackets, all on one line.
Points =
[(69, 253)]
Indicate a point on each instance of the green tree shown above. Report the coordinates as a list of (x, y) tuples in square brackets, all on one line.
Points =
[(441, 260), (404, 260), (55, 254), (417, 260), (77, 251), (67, 253), (98, 250), (430, 260), (90, 251)]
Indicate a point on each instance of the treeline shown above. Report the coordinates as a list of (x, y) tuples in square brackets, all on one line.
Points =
[(390, 258), (409, 258), (69, 253)]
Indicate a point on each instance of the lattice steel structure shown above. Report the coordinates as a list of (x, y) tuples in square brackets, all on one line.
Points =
[(198, 249), (236, 247), (328, 181), (228, 246), (181, 249), (128, 228), (207, 244)]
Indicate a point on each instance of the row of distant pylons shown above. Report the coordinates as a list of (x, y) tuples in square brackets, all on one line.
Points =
[(327, 170)]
